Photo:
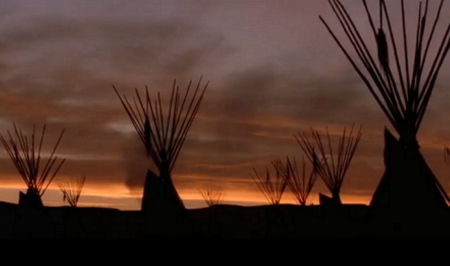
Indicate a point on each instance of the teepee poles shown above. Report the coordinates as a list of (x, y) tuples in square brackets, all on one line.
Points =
[(402, 89), (272, 187), (163, 130), (332, 166), (299, 182), (212, 196), (26, 156), (72, 190)]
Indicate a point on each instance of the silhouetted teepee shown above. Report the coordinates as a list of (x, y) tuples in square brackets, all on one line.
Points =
[(72, 190), (163, 130), (212, 196), (330, 165), (300, 185), (272, 187), (402, 90), (26, 157)]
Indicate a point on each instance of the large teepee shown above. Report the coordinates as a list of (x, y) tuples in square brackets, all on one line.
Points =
[(402, 88), (27, 159), (163, 130)]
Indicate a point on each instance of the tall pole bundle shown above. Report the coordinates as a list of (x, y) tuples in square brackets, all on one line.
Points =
[(163, 131), (403, 97), (332, 166), (27, 159), (402, 89)]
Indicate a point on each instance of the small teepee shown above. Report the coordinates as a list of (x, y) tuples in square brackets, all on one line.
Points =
[(402, 89), (331, 166), (302, 184), (212, 196), (163, 131), (71, 190), (26, 157), (272, 186)]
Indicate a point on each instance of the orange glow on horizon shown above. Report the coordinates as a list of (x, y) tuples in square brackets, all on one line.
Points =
[(118, 196)]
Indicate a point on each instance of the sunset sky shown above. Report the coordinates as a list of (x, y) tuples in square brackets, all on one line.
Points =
[(273, 68)]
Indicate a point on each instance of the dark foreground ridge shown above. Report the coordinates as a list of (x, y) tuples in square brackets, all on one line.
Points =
[(221, 221)]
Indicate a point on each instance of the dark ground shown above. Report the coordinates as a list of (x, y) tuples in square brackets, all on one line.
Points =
[(226, 221)]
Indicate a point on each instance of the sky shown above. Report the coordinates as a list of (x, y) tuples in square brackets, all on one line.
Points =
[(273, 69)]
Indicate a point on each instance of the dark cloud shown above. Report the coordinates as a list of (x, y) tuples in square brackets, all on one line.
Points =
[(135, 162)]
